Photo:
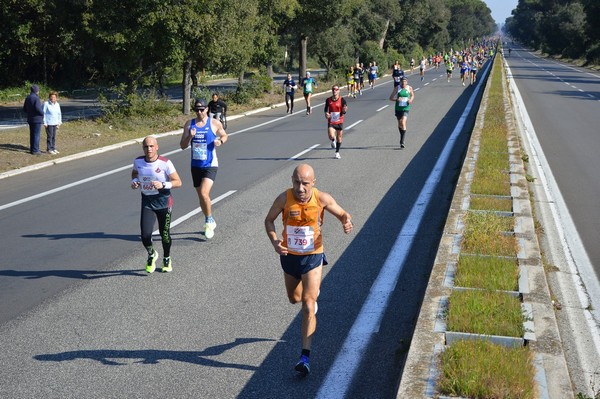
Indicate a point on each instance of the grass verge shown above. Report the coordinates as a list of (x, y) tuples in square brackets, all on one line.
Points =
[(485, 312), (479, 369), (487, 272), (488, 233)]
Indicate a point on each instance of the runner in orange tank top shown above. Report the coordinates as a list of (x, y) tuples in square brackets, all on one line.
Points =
[(301, 249)]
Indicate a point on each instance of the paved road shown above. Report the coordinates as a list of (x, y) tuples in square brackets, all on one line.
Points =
[(83, 319), (563, 103)]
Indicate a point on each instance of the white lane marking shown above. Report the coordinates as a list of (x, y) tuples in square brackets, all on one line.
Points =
[(354, 124), (61, 188), (367, 322), (382, 108), (298, 155), (196, 211), (77, 183)]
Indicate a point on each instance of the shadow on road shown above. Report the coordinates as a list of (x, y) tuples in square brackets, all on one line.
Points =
[(152, 356), (74, 274)]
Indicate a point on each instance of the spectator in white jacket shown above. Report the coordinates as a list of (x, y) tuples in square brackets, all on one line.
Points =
[(52, 120)]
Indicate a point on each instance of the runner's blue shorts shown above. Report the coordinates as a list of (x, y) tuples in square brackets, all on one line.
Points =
[(297, 265)]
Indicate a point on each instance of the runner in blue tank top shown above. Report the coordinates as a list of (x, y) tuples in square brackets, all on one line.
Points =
[(204, 134)]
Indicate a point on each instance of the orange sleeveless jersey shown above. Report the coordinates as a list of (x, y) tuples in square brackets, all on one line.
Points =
[(302, 224)]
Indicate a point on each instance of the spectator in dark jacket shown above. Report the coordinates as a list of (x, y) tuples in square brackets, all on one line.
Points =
[(34, 109)]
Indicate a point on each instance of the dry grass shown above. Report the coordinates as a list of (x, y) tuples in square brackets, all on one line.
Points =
[(487, 233)]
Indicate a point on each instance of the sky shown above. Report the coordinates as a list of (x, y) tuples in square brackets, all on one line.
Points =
[(501, 9)]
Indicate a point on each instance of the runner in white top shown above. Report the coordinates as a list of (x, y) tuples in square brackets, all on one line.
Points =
[(155, 176)]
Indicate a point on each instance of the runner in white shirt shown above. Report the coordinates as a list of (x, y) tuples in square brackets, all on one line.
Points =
[(155, 176)]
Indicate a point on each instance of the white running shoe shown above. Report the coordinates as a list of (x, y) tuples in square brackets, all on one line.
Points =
[(209, 230), (337, 155), (333, 143)]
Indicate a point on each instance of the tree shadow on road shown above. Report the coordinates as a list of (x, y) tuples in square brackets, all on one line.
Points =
[(151, 356)]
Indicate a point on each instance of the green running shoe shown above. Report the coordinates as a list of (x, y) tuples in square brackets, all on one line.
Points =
[(151, 262), (167, 266)]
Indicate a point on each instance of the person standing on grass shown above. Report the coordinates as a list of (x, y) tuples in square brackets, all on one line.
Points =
[(52, 121), (35, 117)]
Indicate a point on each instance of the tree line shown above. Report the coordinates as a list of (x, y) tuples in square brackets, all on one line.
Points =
[(568, 28), (70, 43)]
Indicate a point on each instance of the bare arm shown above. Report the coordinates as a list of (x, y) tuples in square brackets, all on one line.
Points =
[(412, 95), (219, 131), (331, 206), (186, 136), (174, 180), (135, 182), (272, 215), (394, 95)]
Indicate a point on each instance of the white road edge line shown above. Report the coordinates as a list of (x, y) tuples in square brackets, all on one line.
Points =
[(382, 108), (367, 322), (578, 262)]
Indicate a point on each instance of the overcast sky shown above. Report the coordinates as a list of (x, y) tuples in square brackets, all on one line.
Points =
[(501, 9)]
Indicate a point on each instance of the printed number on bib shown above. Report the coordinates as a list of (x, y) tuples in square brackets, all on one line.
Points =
[(403, 101), (300, 238), (146, 185), (335, 117), (199, 152)]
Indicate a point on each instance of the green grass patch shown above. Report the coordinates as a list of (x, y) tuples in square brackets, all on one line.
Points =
[(490, 181), (478, 369), (487, 272), (491, 203), (485, 312), (486, 234)]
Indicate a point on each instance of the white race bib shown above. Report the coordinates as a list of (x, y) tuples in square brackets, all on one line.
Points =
[(199, 152), (300, 238), (335, 117), (146, 185), (403, 101)]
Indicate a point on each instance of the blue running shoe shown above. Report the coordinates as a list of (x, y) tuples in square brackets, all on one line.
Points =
[(303, 367)]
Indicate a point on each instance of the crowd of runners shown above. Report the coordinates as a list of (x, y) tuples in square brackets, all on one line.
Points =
[(301, 207)]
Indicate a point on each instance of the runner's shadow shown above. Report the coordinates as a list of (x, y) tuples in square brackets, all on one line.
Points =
[(94, 234), (151, 356), (74, 274)]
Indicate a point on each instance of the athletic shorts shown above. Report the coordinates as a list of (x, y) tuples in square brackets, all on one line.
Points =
[(401, 114), (200, 173), (297, 265), (336, 126)]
